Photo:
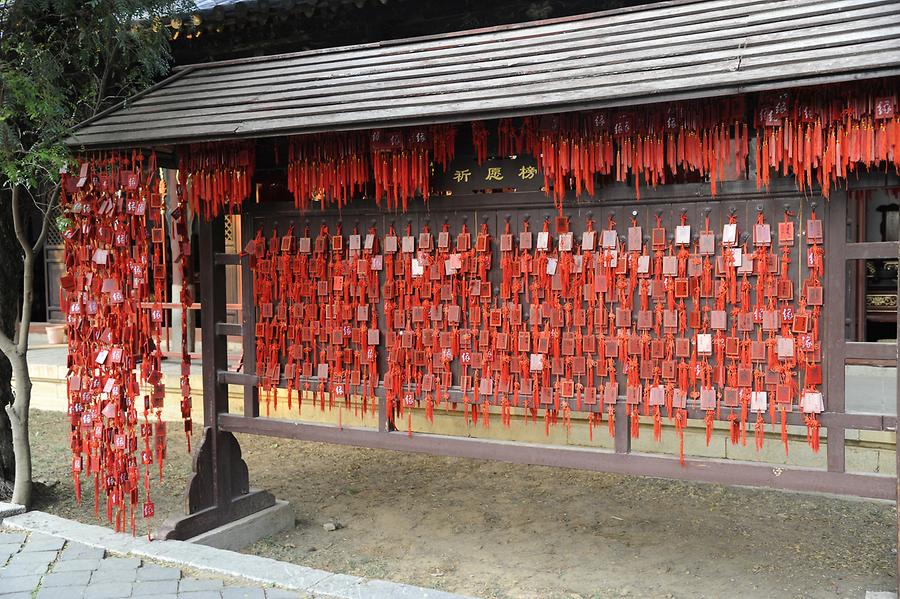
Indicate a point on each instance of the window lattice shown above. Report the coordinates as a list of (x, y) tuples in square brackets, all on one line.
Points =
[(54, 235), (230, 233)]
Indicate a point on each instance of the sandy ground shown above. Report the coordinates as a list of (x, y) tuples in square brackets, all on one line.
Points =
[(498, 530)]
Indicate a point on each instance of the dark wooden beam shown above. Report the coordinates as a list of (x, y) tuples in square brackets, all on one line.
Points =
[(830, 420), (703, 470)]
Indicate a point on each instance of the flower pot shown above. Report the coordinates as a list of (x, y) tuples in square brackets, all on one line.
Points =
[(56, 335)]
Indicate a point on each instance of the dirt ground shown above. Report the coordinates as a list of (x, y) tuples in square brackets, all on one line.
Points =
[(499, 530)]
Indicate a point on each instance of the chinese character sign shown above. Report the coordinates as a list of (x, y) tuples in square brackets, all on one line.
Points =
[(464, 175)]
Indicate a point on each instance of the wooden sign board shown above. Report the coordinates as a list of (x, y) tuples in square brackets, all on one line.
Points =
[(464, 175)]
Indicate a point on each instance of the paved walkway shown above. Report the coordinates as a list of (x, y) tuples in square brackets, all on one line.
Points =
[(41, 353), (43, 556), (46, 567)]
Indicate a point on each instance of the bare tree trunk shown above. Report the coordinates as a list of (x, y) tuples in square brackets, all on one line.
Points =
[(7, 455), (16, 350), (11, 275), (18, 417)]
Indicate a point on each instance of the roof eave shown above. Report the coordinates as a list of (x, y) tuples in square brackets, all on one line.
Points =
[(712, 92)]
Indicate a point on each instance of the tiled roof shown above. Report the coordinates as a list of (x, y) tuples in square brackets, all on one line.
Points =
[(656, 52)]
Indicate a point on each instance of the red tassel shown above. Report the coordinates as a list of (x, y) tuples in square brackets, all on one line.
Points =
[(657, 424), (611, 421), (744, 423), (784, 437), (409, 424), (680, 424), (735, 428), (635, 423), (300, 395), (759, 430), (710, 416), (812, 432)]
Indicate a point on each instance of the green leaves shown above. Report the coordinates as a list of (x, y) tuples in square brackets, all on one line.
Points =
[(61, 62), (63, 223)]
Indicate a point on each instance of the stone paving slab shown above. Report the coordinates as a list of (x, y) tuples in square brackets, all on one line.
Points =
[(25, 569), (120, 563), (78, 551), (121, 566), (10, 546), (122, 575), (76, 565), (155, 587), (54, 593), (16, 584), (243, 593), (12, 537), (66, 579), (42, 542), (158, 573), (33, 557), (108, 590), (191, 585)]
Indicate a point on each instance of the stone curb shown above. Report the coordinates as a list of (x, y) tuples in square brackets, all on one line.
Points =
[(317, 583), (10, 509)]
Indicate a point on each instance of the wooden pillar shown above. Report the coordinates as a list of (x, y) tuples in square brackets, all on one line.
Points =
[(623, 428), (833, 333), (248, 324), (215, 394), (177, 314), (896, 439), (219, 490)]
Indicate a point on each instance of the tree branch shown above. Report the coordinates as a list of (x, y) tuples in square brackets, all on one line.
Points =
[(7, 346), (27, 273), (104, 80), (18, 221), (48, 217), (27, 297)]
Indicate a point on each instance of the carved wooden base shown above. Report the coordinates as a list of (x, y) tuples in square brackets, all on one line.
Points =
[(208, 505)]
